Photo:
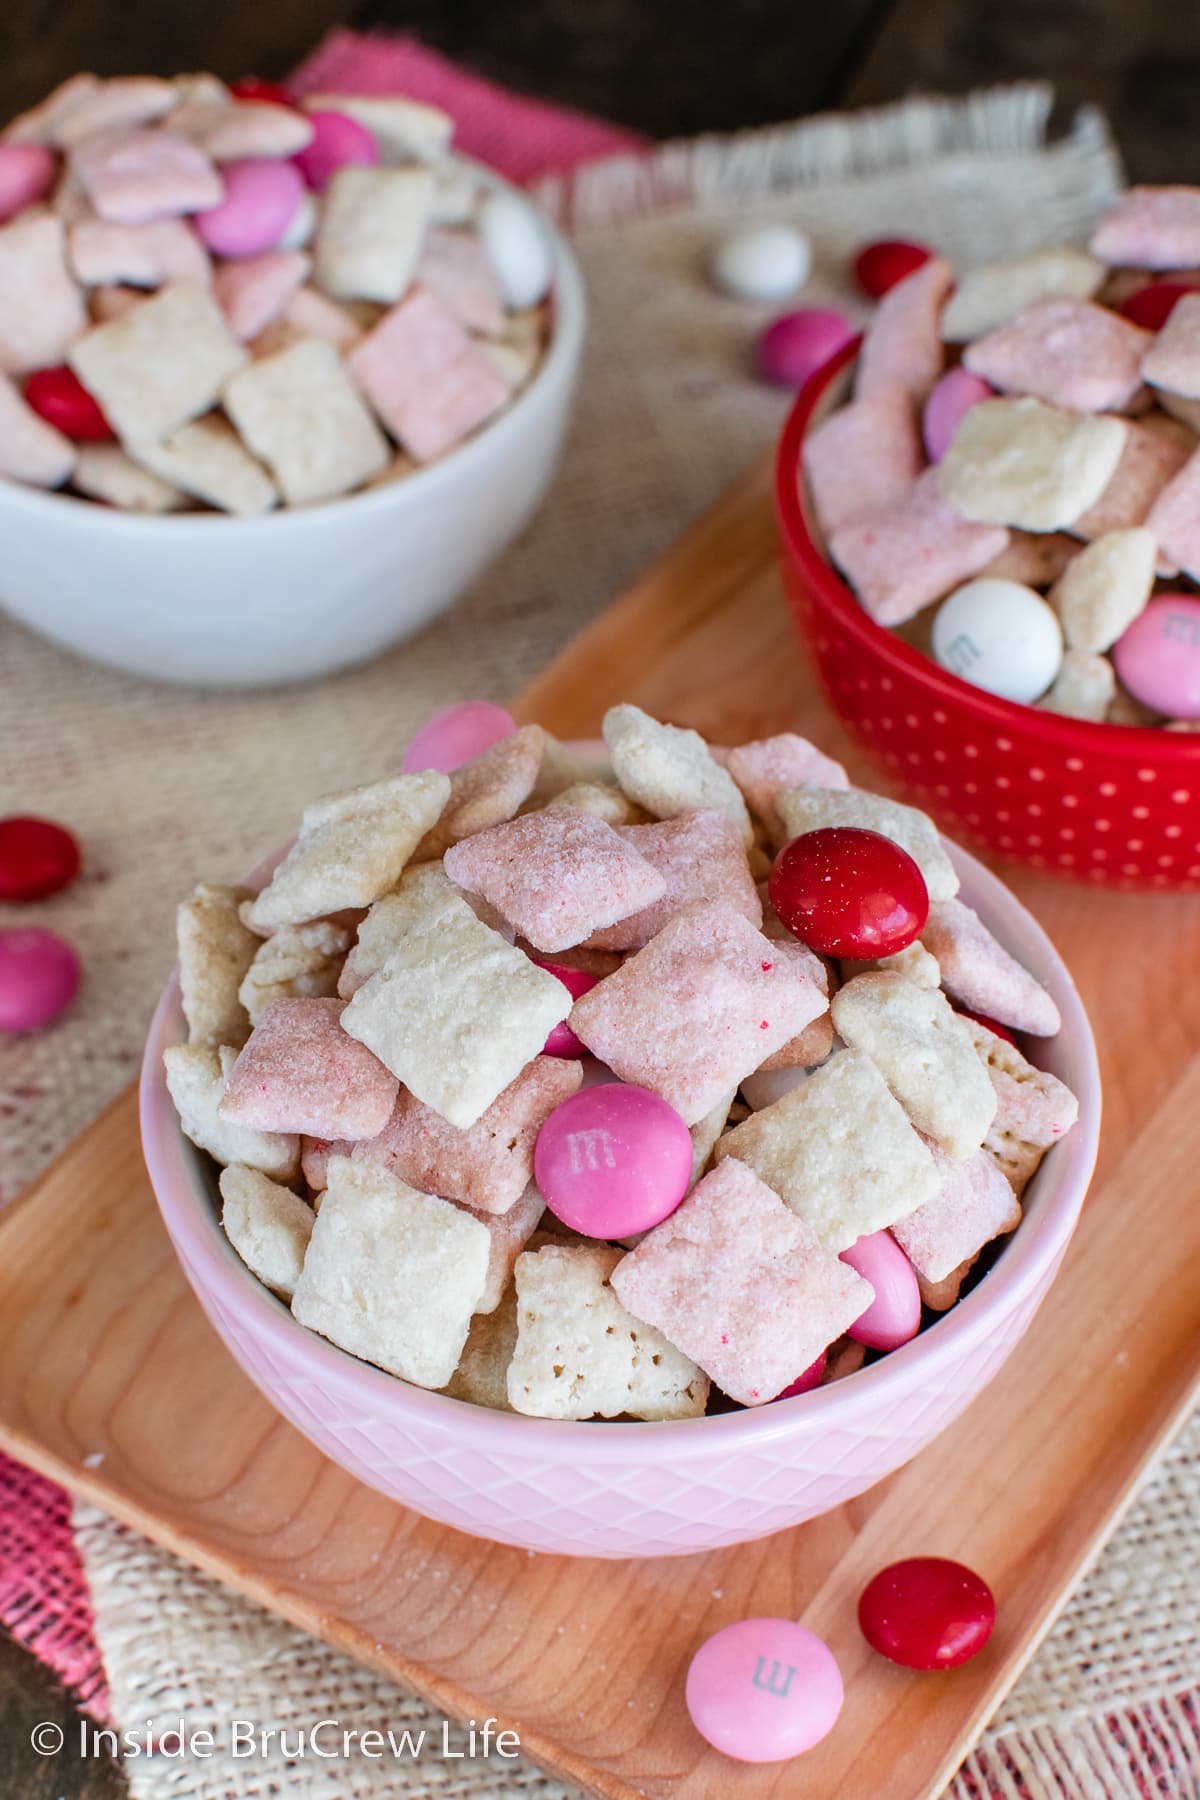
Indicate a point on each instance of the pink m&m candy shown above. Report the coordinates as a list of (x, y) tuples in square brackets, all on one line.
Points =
[(613, 1160), (562, 1040), (26, 172), (337, 142), (39, 977), (261, 197), (927, 1613), (1158, 656), (764, 1690), (954, 394), (794, 347), (805, 1383), (457, 735), (894, 1316)]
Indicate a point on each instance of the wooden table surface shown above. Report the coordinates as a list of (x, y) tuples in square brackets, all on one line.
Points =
[(678, 67)]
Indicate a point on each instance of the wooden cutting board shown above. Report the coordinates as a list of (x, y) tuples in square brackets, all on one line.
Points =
[(105, 1355)]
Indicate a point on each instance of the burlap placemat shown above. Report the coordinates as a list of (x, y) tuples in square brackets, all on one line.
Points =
[(165, 786)]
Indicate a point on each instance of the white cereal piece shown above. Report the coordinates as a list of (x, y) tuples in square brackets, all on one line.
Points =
[(299, 412), (405, 130), (268, 1225), (974, 1204), (1034, 1109), (252, 128), (607, 803), (106, 472), (162, 364), (581, 1355), (215, 952), (925, 1053), (705, 1134), (1021, 463), (839, 1150), (140, 256), (1084, 688), (456, 1012), (810, 808), (1105, 587), (131, 177), (253, 290), (197, 1075), (45, 122), (424, 898), (41, 308), (315, 316), (370, 232), (122, 103), (915, 963), (481, 1378), (391, 1275), (994, 293), (297, 961), (351, 849), (979, 973), (669, 770), (31, 450), (207, 459), (1173, 359)]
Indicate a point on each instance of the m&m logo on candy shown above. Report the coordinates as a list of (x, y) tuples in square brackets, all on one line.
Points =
[(1158, 657)]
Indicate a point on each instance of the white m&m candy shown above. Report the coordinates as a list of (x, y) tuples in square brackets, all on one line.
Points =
[(762, 262), (518, 250), (1001, 636)]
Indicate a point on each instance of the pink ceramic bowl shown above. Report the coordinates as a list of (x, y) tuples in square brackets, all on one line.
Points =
[(594, 1489)]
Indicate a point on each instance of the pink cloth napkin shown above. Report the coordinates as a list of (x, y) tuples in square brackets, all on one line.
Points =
[(44, 1601)]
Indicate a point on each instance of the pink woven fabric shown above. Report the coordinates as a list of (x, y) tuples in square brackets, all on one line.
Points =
[(520, 137), (44, 1600)]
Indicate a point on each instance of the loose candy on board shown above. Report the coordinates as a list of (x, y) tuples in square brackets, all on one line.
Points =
[(613, 1160), (927, 1613), (999, 636), (761, 262), (764, 1690), (886, 262), (37, 857), (795, 346), (39, 978)]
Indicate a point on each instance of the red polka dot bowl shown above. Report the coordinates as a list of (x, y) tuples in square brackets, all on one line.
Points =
[(1113, 805)]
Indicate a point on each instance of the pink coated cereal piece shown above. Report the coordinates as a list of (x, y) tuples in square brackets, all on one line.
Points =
[(258, 205), (562, 1040), (1151, 228), (974, 1204), (314, 1159), (454, 265), (299, 1065), (121, 104), (337, 142), (26, 173), (487, 791), (142, 256), (903, 341), (557, 875), (864, 455), (894, 1315), (980, 974), (700, 856), (1174, 518), (1173, 359), (741, 1285), (43, 123), (253, 290), (314, 315), (701, 1007), (767, 766), (131, 177), (41, 308), (30, 450), (953, 394), (1069, 353), (488, 1165), (458, 735), (613, 1160), (1155, 451), (901, 557), (39, 978), (764, 1690), (254, 128), (425, 378)]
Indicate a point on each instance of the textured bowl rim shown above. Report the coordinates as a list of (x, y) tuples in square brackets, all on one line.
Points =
[(185, 1200), (1147, 745), (566, 341)]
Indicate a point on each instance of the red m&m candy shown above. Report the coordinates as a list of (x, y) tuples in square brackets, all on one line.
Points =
[(849, 892), (37, 858), (270, 92), (927, 1613), (59, 397), (881, 265), (1151, 306)]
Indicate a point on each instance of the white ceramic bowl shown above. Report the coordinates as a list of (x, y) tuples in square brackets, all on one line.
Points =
[(223, 602)]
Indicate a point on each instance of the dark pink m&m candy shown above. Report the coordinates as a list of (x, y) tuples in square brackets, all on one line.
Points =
[(37, 857), (927, 1613), (39, 976), (881, 265), (849, 892), (1151, 306), (562, 1040), (795, 346), (613, 1160)]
